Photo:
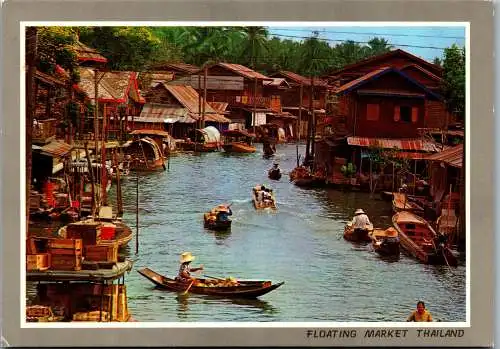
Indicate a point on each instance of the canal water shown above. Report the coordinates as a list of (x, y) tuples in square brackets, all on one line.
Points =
[(326, 278)]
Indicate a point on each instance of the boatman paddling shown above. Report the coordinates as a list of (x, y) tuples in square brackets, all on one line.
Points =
[(360, 220), (185, 268)]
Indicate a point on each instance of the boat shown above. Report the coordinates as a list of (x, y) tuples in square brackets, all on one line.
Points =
[(266, 203), (214, 287), (421, 241), (302, 177), (274, 173), (401, 202), (357, 235), (238, 141), (145, 155), (217, 218), (385, 242), (268, 148), (206, 140)]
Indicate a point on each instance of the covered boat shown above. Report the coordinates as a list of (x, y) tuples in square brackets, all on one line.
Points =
[(385, 242), (213, 287), (145, 155), (206, 140), (357, 235), (263, 198), (218, 218), (238, 141), (421, 241)]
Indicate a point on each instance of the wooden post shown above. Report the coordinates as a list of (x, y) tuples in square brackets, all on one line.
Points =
[(309, 123), (118, 185), (300, 120), (415, 177), (199, 105), (204, 96), (254, 117), (31, 54), (91, 176), (137, 212)]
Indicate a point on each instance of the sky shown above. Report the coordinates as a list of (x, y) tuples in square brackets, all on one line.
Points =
[(426, 42)]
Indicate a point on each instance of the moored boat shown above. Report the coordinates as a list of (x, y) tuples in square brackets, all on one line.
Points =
[(274, 172), (145, 155), (385, 242), (401, 202), (214, 287), (263, 198), (357, 235), (217, 218), (421, 241), (238, 141)]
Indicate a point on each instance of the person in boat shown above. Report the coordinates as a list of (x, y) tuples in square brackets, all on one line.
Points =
[(360, 220), (185, 268), (223, 212), (276, 167), (266, 195), (421, 314)]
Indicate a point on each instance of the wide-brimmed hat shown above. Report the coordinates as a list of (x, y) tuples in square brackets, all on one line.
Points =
[(359, 211), (187, 257)]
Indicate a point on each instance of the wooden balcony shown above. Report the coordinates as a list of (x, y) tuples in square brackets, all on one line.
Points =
[(273, 103), (44, 130)]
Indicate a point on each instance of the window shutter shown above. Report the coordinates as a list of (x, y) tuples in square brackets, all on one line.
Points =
[(397, 115), (414, 114)]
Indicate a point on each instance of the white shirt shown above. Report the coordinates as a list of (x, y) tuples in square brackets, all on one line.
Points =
[(360, 221)]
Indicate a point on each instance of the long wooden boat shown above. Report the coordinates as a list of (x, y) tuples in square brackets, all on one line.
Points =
[(357, 235), (146, 155), (385, 242), (238, 141), (420, 240), (401, 202), (263, 205), (243, 289), (212, 219)]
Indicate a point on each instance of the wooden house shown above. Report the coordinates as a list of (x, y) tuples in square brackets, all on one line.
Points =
[(119, 100), (290, 98), (176, 109), (241, 87), (177, 69)]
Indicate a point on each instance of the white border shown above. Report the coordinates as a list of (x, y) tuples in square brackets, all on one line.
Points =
[(24, 324)]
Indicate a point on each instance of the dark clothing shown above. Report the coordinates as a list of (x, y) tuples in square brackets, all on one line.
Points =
[(185, 268)]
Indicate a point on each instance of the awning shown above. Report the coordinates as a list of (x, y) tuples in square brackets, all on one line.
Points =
[(452, 156), (401, 144), (150, 132), (55, 149)]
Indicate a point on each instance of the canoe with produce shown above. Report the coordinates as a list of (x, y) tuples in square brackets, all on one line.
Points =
[(229, 287)]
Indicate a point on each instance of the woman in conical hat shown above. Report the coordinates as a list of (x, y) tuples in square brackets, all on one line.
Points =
[(185, 268)]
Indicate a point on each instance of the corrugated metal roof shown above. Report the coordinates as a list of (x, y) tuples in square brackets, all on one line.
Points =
[(179, 66), (243, 71), (55, 149), (277, 82), (219, 106), (452, 156), (299, 79), (378, 72), (425, 71), (387, 143), (150, 132), (85, 53), (154, 112)]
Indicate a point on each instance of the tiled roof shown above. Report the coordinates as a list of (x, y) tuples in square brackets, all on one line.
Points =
[(389, 143), (85, 53), (243, 71), (299, 79)]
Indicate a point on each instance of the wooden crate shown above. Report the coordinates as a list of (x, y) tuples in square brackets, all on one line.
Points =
[(91, 316), (36, 311), (89, 232), (66, 262), (41, 261), (68, 244), (101, 253)]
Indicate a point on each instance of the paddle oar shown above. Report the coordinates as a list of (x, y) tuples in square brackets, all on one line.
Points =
[(213, 277), (187, 289)]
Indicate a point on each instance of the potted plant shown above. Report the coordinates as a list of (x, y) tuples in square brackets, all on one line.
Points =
[(349, 171)]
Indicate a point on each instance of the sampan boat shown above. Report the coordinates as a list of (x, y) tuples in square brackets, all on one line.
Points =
[(421, 241), (357, 235), (385, 242), (274, 173), (401, 202), (238, 141), (217, 218), (243, 289), (263, 204)]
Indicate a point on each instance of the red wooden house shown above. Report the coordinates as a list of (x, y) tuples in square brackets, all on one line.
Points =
[(236, 85)]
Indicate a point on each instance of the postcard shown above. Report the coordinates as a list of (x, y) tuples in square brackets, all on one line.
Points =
[(252, 175)]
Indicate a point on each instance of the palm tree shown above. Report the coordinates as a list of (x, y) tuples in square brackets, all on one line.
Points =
[(379, 46), (256, 44)]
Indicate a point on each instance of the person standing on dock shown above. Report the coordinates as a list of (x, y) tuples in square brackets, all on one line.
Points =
[(360, 220), (185, 268), (421, 314)]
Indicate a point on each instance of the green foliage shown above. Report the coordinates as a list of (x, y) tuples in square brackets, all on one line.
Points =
[(349, 170), (55, 47), (454, 79)]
